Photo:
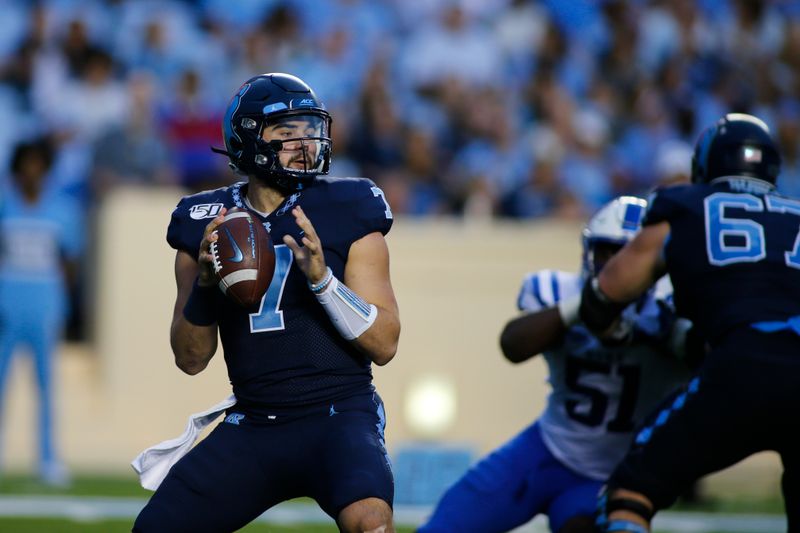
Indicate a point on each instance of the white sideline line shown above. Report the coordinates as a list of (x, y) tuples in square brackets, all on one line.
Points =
[(95, 508), (74, 507), (732, 523)]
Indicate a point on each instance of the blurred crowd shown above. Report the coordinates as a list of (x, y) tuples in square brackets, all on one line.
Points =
[(480, 108), (472, 108)]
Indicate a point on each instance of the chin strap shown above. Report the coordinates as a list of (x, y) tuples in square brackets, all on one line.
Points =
[(220, 151)]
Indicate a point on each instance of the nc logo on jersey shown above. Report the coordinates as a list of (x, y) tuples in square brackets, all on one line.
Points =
[(234, 418), (201, 211)]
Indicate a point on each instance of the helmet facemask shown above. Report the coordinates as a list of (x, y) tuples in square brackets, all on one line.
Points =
[(292, 149), (596, 254)]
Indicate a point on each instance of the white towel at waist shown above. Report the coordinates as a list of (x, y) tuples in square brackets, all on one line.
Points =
[(153, 463)]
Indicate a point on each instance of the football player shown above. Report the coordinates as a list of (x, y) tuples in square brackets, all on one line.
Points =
[(730, 244), (308, 421), (600, 391)]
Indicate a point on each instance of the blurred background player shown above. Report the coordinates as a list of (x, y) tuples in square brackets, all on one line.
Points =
[(730, 245), (307, 421), (600, 392), (41, 240)]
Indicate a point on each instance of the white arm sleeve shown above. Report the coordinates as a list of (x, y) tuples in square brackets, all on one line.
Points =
[(350, 314)]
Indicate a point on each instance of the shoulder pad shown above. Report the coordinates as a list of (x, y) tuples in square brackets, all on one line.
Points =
[(344, 189), (191, 216), (664, 203), (546, 288), (369, 204)]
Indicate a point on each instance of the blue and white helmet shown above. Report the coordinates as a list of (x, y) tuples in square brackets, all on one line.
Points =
[(615, 223)]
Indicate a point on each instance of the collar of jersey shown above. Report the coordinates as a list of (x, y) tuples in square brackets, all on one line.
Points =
[(745, 184)]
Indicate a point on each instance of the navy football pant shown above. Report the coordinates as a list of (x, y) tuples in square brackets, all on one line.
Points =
[(744, 400), (334, 454)]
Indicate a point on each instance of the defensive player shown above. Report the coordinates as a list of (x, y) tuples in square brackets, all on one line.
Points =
[(731, 246), (308, 421), (600, 392)]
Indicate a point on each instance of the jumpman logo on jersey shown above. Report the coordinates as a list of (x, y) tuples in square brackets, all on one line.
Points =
[(237, 252)]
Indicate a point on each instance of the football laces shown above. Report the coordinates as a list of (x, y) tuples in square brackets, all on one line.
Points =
[(214, 249)]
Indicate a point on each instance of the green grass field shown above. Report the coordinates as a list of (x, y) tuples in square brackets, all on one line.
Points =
[(82, 485), (19, 525), (110, 486)]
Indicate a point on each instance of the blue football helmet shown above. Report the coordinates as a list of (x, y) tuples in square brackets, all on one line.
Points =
[(737, 145), (269, 101), (611, 227)]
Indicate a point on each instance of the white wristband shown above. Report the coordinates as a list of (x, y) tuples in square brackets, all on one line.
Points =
[(350, 314), (568, 309)]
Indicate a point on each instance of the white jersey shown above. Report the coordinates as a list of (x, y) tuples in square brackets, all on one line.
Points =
[(600, 394)]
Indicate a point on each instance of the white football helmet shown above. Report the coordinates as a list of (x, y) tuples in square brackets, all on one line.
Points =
[(615, 223)]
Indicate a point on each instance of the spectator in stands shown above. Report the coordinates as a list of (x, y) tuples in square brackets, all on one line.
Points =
[(787, 132), (192, 125), (135, 152)]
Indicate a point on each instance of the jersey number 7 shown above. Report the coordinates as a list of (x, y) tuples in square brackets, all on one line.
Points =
[(269, 316)]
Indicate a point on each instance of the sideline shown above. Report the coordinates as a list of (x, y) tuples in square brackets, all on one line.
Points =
[(93, 508)]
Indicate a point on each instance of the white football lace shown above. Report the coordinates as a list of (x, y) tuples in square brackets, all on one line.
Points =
[(215, 257)]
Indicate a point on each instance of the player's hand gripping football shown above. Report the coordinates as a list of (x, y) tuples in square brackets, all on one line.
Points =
[(205, 261), (309, 256)]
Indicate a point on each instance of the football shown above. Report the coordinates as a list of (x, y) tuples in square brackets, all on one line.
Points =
[(244, 258)]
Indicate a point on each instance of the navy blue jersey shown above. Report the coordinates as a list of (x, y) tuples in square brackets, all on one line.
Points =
[(287, 353), (733, 253)]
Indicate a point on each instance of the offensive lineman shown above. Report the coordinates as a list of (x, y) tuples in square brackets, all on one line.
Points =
[(730, 244)]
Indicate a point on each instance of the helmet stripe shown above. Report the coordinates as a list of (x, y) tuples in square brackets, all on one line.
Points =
[(227, 122), (633, 217)]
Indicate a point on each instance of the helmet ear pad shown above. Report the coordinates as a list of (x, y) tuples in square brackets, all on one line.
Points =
[(267, 154)]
